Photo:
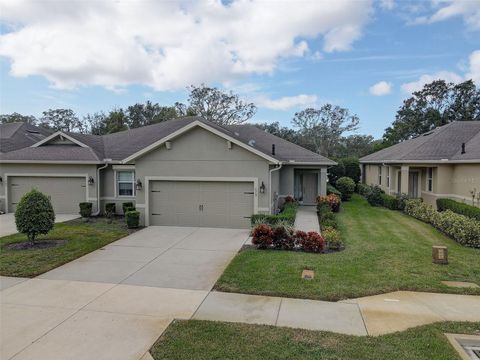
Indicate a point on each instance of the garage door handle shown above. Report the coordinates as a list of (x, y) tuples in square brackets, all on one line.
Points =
[(156, 191), (156, 214), (249, 192)]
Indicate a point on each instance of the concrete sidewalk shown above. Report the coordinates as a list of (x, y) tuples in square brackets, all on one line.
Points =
[(306, 219), (372, 315)]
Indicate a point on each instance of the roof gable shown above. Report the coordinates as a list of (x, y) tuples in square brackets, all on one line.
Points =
[(59, 138)]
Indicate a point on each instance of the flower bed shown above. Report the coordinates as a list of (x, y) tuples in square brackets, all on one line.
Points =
[(287, 216)]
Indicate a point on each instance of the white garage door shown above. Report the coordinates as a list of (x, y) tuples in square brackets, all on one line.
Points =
[(207, 204), (65, 192)]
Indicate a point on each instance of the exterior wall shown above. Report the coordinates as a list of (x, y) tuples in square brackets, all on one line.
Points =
[(48, 170), (199, 153), (287, 178), (275, 188), (107, 190), (466, 177)]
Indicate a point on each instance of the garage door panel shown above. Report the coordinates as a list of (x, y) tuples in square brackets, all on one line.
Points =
[(208, 204), (65, 193)]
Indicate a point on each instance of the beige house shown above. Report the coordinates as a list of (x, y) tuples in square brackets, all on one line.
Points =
[(185, 171), (442, 163)]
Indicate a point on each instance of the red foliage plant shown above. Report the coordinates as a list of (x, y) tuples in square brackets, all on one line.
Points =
[(311, 241), (289, 199), (332, 200), (262, 236)]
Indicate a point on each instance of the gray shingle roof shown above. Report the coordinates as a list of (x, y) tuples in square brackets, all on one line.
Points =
[(442, 143), (120, 145), (14, 136)]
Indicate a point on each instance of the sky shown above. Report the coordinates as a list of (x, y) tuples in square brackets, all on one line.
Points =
[(285, 56)]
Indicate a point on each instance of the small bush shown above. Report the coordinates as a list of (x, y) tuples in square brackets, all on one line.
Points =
[(310, 242), (419, 210), (85, 209), (127, 206), (375, 196), (262, 236), (332, 200), (363, 189), (331, 190), (336, 172), (390, 202), (132, 218), (283, 238), (110, 208), (329, 223), (286, 216), (402, 199), (332, 238), (352, 168), (346, 186), (459, 208), (289, 199), (34, 215)]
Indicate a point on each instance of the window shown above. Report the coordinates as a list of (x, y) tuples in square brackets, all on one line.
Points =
[(388, 177), (125, 183), (430, 179), (380, 175)]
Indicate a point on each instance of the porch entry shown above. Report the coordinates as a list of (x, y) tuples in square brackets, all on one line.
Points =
[(413, 184), (306, 186)]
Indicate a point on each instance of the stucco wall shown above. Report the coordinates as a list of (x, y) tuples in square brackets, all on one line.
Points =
[(287, 179), (465, 178), (199, 153), (107, 189), (48, 169)]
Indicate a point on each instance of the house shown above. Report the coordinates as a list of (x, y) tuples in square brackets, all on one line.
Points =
[(442, 163), (185, 171)]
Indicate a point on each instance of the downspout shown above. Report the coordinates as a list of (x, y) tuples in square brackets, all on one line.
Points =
[(270, 184), (96, 213)]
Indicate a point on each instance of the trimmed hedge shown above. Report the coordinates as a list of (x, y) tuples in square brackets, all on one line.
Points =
[(346, 186), (462, 229), (132, 218), (287, 216), (85, 209), (127, 206), (390, 202), (459, 208)]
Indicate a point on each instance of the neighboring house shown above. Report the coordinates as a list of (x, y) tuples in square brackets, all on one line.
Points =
[(17, 135), (444, 162), (186, 171)]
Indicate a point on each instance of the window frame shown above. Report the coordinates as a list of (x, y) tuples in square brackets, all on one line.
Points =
[(379, 174), (388, 177), (118, 182), (429, 179)]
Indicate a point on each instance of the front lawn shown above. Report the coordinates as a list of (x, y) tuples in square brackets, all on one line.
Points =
[(385, 251), (195, 339), (81, 238)]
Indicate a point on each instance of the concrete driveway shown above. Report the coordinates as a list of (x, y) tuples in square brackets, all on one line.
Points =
[(115, 302), (8, 227)]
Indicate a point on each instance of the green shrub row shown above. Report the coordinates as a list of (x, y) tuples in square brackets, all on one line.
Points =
[(287, 216), (462, 229), (332, 190), (459, 208), (377, 197)]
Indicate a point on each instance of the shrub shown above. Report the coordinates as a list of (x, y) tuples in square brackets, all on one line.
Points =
[(389, 201), (286, 216), (402, 199), (132, 218), (85, 209), (262, 236), (459, 208), (331, 190), (311, 241), (375, 196), (363, 189), (352, 168), (289, 199), (419, 210), (34, 215), (110, 209), (332, 200), (282, 238), (336, 172), (329, 223), (346, 186), (332, 238), (127, 206), (322, 210)]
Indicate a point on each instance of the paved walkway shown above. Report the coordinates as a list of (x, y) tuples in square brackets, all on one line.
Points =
[(8, 227), (372, 315), (306, 219)]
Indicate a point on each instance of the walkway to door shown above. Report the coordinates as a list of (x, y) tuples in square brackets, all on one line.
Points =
[(307, 219)]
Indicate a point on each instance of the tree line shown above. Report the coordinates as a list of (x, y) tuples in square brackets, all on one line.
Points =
[(327, 130)]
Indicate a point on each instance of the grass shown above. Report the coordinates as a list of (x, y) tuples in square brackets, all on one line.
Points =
[(385, 251), (81, 237), (195, 339)]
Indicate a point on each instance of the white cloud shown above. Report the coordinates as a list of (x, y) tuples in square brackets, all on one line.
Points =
[(169, 44), (287, 102), (381, 88), (428, 78), (474, 67), (469, 10), (387, 4)]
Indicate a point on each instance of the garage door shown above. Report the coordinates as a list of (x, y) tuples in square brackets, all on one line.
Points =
[(65, 192), (207, 204)]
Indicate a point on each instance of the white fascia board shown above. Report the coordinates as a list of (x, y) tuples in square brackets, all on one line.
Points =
[(59, 133), (50, 162), (206, 127), (474, 161)]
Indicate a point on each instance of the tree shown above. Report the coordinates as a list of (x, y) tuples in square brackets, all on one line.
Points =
[(16, 117), (34, 215), (101, 124), (355, 146), (62, 120), (322, 129), (437, 104), (139, 115), (222, 108), (280, 131), (352, 168)]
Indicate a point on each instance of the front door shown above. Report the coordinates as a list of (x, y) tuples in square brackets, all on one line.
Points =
[(413, 184), (309, 188)]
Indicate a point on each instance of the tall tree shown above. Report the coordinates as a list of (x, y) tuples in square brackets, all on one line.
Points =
[(101, 124), (322, 129), (139, 115), (355, 146), (223, 108), (16, 117), (437, 104), (280, 131), (62, 120)]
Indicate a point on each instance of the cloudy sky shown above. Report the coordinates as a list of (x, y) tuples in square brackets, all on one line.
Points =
[(283, 55)]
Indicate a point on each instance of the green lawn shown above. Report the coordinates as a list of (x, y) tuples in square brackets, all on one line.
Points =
[(81, 237), (195, 339), (385, 251)]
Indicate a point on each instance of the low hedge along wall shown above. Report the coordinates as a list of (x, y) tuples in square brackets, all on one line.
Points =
[(459, 208), (287, 216)]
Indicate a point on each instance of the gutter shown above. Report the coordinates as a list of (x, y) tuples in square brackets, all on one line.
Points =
[(96, 213), (270, 184)]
